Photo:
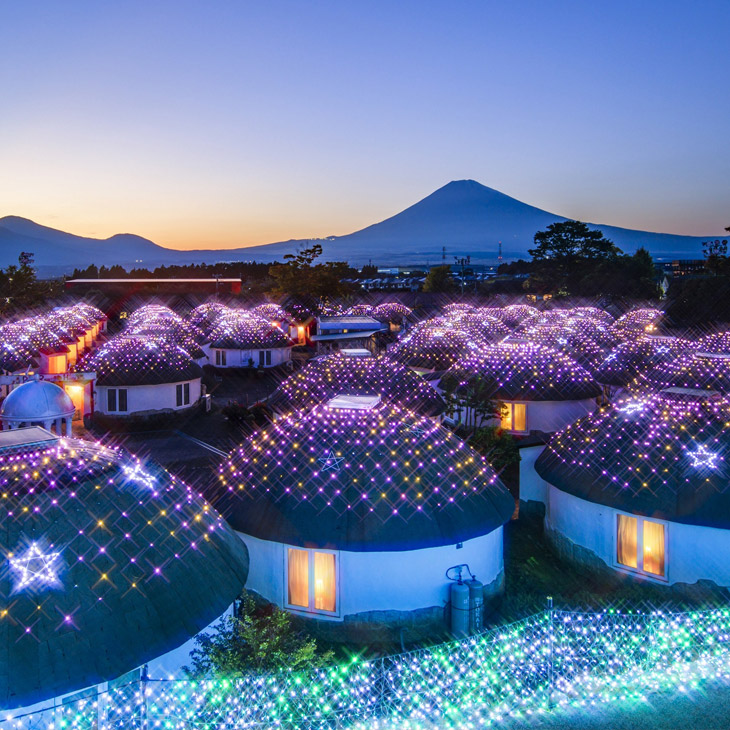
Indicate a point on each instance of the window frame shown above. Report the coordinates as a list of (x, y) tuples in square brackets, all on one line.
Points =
[(510, 405), (310, 610), (111, 400), (639, 569)]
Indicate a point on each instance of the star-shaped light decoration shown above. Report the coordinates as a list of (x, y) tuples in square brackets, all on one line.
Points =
[(703, 457), (137, 474), (331, 461), (35, 569), (416, 430)]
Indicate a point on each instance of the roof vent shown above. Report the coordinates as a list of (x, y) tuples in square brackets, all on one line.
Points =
[(354, 402)]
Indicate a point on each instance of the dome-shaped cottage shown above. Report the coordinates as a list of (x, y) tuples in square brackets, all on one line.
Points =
[(136, 377), (108, 563), (241, 339), (325, 377), (38, 403), (541, 389), (354, 510), (642, 488)]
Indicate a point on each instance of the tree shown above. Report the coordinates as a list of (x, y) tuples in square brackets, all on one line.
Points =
[(300, 276), (259, 639), (715, 253), (439, 280), (498, 447), (565, 253), (471, 402)]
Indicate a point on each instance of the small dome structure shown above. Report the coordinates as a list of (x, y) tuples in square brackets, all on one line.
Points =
[(37, 403), (325, 377), (368, 495), (139, 377), (643, 486), (243, 339), (109, 562), (542, 389)]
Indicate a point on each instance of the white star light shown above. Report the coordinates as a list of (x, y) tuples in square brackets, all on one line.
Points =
[(703, 457), (331, 461), (35, 569), (137, 474)]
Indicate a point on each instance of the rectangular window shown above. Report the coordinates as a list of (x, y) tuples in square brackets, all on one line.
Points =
[(111, 400), (653, 548), (268, 357), (261, 358), (298, 592), (641, 545), (514, 417), (627, 541), (178, 395), (186, 394), (123, 399), (519, 418), (220, 357), (312, 580)]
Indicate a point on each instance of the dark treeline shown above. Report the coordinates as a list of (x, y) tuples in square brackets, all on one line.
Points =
[(228, 270)]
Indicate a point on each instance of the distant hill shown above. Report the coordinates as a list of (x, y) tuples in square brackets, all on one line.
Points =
[(464, 216)]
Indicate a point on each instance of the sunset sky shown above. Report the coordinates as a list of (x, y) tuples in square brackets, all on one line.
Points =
[(222, 124)]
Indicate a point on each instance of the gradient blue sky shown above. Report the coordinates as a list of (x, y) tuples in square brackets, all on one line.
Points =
[(217, 124)]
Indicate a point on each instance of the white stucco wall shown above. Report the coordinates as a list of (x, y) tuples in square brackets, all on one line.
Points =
[(146, 398), (382, 581), (549, 416), (240, 358), (533, 488), (692, 553)]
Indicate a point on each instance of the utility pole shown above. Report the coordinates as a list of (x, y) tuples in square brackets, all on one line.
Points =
[(499, 254), (463, 262)]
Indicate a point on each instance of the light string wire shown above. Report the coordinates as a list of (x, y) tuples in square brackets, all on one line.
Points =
[(554, 659)]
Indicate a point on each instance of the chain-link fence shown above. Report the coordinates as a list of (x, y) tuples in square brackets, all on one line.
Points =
[(552, 658)]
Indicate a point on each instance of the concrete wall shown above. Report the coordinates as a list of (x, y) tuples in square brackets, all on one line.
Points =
[(382, 581), (692, 553), (144, 399), (240, 358)]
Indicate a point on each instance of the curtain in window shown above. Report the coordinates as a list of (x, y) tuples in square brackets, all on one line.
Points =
[(324, 582), (298, 578), (653, 548), (627, 541), (507, 417), (520, 417)]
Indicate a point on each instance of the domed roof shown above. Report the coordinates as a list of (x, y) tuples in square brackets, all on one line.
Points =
[(136, 361), (380, 478), (622, 364), (240, 330), (665, 456), (391, 312), (108, 563), (480, 328), (271, 312), (699, 370), (36, 400), (636, 322), (432, 345), (326, 377), (514, 370)]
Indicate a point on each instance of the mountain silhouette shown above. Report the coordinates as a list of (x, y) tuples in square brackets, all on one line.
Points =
[(464, 217)]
